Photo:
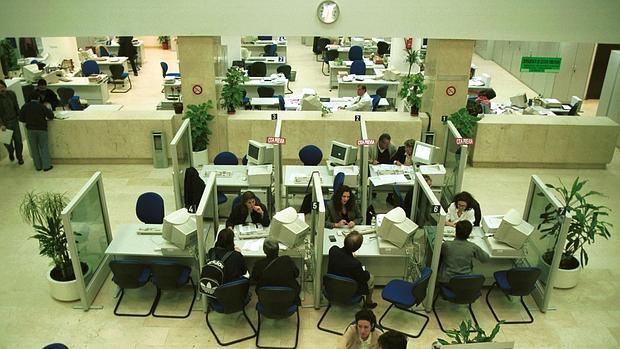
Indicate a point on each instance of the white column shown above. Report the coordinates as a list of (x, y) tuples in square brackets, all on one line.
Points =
[(59, 48), (233, 48)]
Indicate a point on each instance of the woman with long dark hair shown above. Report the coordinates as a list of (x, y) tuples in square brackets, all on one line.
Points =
[(342, 212), (249, 210), (234, 265)]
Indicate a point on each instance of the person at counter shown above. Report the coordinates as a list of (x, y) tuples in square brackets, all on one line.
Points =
[(457, 255), (45, 95), (384, 152), (127, 49), (249, 210), (343, 263), (9, 119), (342, 212), (234, 265), (362, 102), (461, 209), (404, 153), (35, 115), (361, 333), (275, 270)]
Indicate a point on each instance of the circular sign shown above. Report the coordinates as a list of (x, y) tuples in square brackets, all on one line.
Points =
[(451, 90), (328, 11), (197, 89)]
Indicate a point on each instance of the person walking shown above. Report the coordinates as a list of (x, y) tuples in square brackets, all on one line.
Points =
[(35, 115), (9, 116)]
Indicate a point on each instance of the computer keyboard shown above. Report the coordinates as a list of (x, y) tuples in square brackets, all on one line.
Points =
[(223, 174), (254, 235), (302, 179), (365, 231), (147, 230)]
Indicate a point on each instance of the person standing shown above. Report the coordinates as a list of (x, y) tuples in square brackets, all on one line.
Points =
[(35, 115), (9, 119), (46, 96), (127, 49)]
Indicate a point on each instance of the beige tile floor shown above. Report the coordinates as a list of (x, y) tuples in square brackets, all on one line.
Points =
[(587, 316)]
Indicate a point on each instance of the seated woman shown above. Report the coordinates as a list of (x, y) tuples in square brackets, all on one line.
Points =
[(248, 211), (457, 255), (341, 210), (234, 265), (461, 209)]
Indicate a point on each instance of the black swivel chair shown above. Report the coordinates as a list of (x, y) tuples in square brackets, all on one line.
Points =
[(517, 282), (270, 50), (265, 92), (383, 48), (171, 276), (129, 274), (277, 303), (64, 95), (230, 298), (329, 56), (318, 46), (462, 289), (382, 91), (286, 71), (119, 75), (338, 290), (257, 69)]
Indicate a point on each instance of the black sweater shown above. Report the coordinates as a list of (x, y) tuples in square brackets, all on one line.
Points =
[(35, 115)]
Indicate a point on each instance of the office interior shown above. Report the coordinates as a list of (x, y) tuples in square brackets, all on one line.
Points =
[(585, 316)]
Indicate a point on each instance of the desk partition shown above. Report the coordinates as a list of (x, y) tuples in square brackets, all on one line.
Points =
[(88, 232), (363, 161), (455, 160), (317, 232), (277, 166), (206, 233), (181, 147)]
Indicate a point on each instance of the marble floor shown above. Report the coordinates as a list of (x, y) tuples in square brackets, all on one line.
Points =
[(587, 316)]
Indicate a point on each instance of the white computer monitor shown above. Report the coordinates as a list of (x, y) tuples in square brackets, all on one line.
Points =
[(259, 153), (513, 230), (396, 227), (423, 153), (179, 228), (342, 154), (311, 103), (31, 72), (288, 228)]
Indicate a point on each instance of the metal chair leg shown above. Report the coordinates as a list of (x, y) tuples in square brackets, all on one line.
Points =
[(409, 311), (175, 316), (236, 340), (439, 321), (529, 314), (318, 325), (118, 303), (296, 335)]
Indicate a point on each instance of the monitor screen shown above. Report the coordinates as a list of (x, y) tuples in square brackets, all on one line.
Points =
[(423, 152), (396, 227), (287, 228), (253, 151), (338, 152)]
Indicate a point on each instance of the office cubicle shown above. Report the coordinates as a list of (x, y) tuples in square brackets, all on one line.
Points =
[(181, 146), (541, 202), (316, 236), (206, 231), (455, 161), (88, 232)]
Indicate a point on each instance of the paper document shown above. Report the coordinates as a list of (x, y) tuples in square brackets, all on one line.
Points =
[(248, 228), (5, 136), (387, 179), (253, 245)]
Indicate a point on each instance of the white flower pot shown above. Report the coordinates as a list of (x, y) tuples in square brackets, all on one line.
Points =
[(66, 291), (200, 157), (564, 278)]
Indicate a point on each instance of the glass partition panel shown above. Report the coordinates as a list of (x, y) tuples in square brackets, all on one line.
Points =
[(181, 146), (455, 160), (206, 232), (317, 233)]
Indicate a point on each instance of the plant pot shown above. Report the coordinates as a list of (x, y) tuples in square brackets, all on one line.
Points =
[(414, 111), (487, 345), (66, 291), (178, 107), (230, 110), (200, 157), (164, 45), (564, 278)]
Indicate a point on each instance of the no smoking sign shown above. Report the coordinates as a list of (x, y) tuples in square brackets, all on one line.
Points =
[(197, 89), (451, 90)]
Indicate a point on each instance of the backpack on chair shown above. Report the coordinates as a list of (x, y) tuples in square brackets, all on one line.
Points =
[(212, 275)]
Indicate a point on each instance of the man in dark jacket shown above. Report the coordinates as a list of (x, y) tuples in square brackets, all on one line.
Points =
[(45, 95), (35, 115), (343, 263), (275, 270), (9, 114)]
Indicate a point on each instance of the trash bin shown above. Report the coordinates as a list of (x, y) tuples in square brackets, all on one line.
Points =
[(293, 75), (158, 146)]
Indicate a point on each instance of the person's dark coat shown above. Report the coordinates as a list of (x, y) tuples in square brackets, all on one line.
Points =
[(239, 213), (342, 263), (282, 272), (234, 266)]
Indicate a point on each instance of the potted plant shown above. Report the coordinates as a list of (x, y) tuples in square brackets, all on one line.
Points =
[(8, 53), (464, 122), (164, 41), (413, 86), (471, 336), (42, 211), (587, 224), (325, 111), (232, 93), (199, 119)]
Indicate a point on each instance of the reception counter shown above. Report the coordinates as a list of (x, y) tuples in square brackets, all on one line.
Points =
[(301, 128), (113, 137), (544, 141)]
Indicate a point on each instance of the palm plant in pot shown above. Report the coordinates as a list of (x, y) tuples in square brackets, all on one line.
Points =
[(413, 85), (43, 212), (468, 333), (232, 92), (587, 224), (199, 118)]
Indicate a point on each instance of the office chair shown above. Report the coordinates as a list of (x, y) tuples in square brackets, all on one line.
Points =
[(264, 37), (575, 103), (119, 75), (318, 46), (74, 103), (286, 71), (237, 200), (150, 208), (382, 91), (56, 346), (64, 95), (356, 53), (375, 102), (329, 56), (171, 276), (90, 67), (338, 290), (230, 298), (358, 68), (129, 274), (518, 282), (405, 295), (103, 52), (310, 155), (224, 158), (462, 289), (265, 91), (239, 64), (257, 69), (383, 48), (164, 71), (270, 50), (338, 181), (276, 303)]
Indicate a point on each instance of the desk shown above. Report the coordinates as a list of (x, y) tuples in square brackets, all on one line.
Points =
[(104, 65), (335, 69), (383, 171), (94, 92), (251, 86), (291, 172), (265, 102), (343, 51), (349, 88), (104, 107), (172, 89), (138, 44), (272, 63), (294, 102), (258, 49)]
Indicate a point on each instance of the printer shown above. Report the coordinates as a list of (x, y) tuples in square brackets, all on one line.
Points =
[(437, 173), (259, 175)]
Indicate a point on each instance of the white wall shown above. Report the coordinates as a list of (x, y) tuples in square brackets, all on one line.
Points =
[(233, 48), (59, 49), (548, 20)]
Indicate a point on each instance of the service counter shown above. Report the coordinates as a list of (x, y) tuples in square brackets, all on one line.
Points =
[(301, 128), (544, 141), (113, 137)]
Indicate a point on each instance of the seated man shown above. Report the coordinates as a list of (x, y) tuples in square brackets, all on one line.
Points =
[(362, 101), (392, 340), (275, 270), (457, 255), (361, 333), (384, 152), (343, 263)]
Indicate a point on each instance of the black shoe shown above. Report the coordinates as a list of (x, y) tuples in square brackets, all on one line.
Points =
[(11, 157), (49, 168), (370, 305), (38, 169), (20, 161)]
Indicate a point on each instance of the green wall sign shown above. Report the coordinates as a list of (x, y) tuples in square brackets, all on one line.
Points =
[(541, 64)]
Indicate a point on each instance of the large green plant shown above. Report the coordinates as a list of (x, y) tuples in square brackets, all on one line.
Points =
[(42, 211), (463, 335), (199, 119), (232, 92), (586, 225), (413, 85), (10, 53), (464, 122)]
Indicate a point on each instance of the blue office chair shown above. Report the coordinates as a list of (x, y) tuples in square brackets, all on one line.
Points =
[(276, 303), (358, 67), (264, 37), (270, 50), (164, 70), (310, 155), (518, 282), (103, 52), (74, 103), (405, 295), (119, 75), (224, 158), (338, 181), (339, 290), (375, 102), (90, 67), (257, 69), (150, 208), (171, 276), (56, 346), (129, 274), (230, 298), (281, 103), (285, 69), (382, 91), (356, 53), (329, 56), (246, 100), (462, 289)]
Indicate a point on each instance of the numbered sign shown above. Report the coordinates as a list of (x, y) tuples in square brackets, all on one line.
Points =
[(274, 116), (358, 117), (276, 140), (436, 208), (365, 142), (315, 205), (444, 118), (280, 59), (464, 141)]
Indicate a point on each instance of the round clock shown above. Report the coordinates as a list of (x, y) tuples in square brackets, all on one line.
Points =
[(328, 11)]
